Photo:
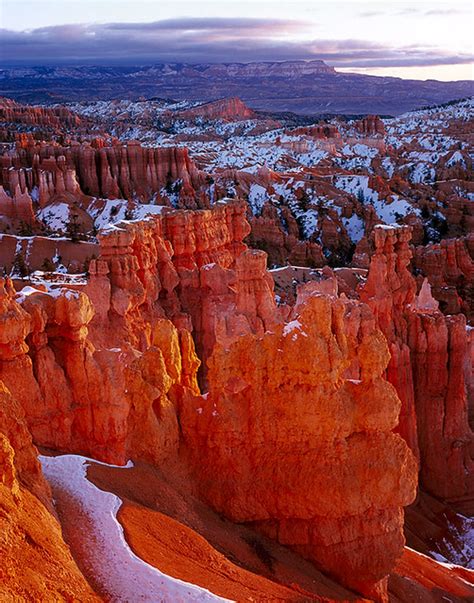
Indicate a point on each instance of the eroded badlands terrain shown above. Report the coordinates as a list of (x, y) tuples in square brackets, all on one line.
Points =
[(235, 354)]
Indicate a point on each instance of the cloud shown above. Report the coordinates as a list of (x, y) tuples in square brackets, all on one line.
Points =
[(411, 11), (447, 11), (236, 26), (194, 40), (372, 13)]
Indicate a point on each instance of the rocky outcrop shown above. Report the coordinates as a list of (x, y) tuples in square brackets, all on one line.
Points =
[(269, 457), (36, 563), (119, 171), (101, 402), (19, 466), (321, 131), (42, 179), (151, 268), (284, 245), (449, 267), (103, 372), (223, 292), (40, 252), (98, 371), (371, 125), (226, 109), (389, 289), (439, 355), (55, 117), (429, 356), (30, 536), (17, 209)]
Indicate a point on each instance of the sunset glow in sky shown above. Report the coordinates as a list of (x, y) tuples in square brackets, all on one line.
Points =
[(407, 39)]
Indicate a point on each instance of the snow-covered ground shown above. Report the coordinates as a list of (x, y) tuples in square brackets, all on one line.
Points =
[(389, 213), (463, 535), (355, 227), (56, 216), (118, 571), (265, 160)]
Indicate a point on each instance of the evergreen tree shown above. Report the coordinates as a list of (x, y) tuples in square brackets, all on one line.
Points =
[(73, 229), (25, 229), (169, 183), (304, 200), (19, 265), (47, 265)]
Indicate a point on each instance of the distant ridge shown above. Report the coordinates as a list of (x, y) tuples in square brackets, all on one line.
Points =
[(304, 87)]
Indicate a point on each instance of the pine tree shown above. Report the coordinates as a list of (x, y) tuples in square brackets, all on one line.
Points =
[(360, 196), (25, 229), (169, 183), (47, 265), (73, 229), (19, 265)]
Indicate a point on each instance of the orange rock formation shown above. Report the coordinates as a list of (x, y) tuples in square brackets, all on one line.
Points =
[(118, 171), (294, 435), (228, 109), (35, 562), (430, 367)]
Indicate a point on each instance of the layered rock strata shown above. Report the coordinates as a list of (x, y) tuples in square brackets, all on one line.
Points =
[(291, 446), (113, 172), (101, 370), (430, 366)]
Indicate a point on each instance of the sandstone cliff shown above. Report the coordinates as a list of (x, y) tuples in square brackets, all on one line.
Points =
[(294, 435), (288, 438), (227, 109), (102, 370), (36, 563), (118, 171), (449, 267), (430, 367)]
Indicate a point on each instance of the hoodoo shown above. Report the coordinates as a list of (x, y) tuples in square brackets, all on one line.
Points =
[(236, 350)]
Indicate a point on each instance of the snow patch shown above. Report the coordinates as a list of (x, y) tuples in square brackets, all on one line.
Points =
[(117, 569), (293, 327), (257, 197), (355, 227), (55, 216), (456, 158)]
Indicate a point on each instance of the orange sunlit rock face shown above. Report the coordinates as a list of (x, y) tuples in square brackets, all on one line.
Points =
[(283, 440), (176, 353), (227, 109), (429, 366), (36, 563)]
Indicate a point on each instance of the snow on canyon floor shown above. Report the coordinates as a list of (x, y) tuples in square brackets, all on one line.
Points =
[(99, 543), (123, 522)]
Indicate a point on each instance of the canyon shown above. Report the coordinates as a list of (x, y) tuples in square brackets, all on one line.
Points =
[(247, 342)]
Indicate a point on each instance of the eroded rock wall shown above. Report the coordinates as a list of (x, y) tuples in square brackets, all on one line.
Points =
[(430, 366), (287, 443), (294, 434), (91, 168)]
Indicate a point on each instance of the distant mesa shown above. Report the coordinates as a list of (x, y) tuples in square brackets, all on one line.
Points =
[(303, 87)]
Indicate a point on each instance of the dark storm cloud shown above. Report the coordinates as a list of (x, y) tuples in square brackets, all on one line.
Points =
[(196, 40)]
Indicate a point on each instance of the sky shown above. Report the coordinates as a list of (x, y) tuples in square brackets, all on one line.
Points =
[(417, 39)]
